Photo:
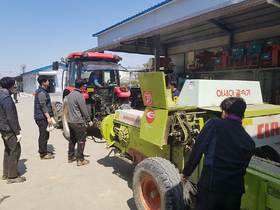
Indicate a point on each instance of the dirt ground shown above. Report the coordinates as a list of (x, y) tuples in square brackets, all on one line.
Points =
[(106, 183)]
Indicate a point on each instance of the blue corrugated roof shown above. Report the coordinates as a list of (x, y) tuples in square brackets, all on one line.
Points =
[(43, 68), (134, 16)]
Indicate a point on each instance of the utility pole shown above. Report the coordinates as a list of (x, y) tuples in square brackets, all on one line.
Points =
[(23, 68)]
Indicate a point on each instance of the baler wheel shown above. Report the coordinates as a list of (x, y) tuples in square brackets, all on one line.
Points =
[(156, 185)]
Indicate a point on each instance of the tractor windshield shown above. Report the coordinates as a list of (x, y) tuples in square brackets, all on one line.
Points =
[(103, 73)]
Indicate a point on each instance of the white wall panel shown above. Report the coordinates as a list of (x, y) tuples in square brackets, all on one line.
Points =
[(175, 10)]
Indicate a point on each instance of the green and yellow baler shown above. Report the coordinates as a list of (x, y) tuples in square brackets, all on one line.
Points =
[(159, 140)]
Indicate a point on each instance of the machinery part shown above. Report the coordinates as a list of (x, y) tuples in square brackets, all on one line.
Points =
[(156, 185), (125, 105), (181, 129), (66, 130), (57, 111), (267, 152), (235, 60), (125, 159), (123, 135)]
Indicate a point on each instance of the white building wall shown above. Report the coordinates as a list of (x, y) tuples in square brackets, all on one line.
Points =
[(169, 12), (30, 83), (58, 81)]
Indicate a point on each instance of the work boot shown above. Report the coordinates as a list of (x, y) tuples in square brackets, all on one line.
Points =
[(71, 160), (47, 156), (83, 162), (4, 176), (19, 179)]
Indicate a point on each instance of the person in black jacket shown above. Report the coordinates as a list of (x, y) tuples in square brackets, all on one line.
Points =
[(77, 112), (227, 150), (16, 93), (42, 115), (10, 132)]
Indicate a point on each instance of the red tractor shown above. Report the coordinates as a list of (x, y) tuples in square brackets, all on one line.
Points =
[(101, 100)]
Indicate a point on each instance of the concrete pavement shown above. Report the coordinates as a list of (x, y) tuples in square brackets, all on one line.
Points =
[(106, 183)]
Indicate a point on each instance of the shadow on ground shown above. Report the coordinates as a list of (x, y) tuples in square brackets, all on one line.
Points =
[(122, 170), (95, 135), (50, 148), (21, 166), (131, 204)]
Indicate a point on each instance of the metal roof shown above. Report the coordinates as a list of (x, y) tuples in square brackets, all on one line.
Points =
[(134, 16), (239, 17), (43, 68)]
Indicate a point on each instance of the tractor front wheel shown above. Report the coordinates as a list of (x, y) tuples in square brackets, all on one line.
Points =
[(66, 130), (157, 186), (57, 111)]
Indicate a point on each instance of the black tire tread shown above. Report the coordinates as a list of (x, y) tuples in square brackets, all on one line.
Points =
[(59, 109), (166, 173)]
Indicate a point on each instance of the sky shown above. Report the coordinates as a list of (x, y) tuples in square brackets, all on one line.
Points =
[(35, 33)]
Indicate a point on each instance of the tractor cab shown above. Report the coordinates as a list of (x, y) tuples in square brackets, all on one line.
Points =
[(103, 92), (101, 72)]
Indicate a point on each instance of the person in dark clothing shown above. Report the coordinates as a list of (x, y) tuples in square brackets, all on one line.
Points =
[(77, 112), (16, 93), (10, 132), (175, 91), (95, 78), (227, 150), (42, 115)]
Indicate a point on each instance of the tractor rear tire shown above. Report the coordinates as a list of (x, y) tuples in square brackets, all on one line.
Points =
[(57, 111), (66, 130), (157, 185)]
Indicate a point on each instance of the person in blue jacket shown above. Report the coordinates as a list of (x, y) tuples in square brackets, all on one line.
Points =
[(227, 150), (175, 91), (95, 78), (42, 114)]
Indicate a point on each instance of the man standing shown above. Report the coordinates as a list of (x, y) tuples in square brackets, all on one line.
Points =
[(175, 91), (227, 150), (42, 115), (16, 93), (10, 131), (77, 112)]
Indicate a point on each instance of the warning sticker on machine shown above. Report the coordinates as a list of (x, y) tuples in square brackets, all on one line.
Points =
[(131, 117)]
